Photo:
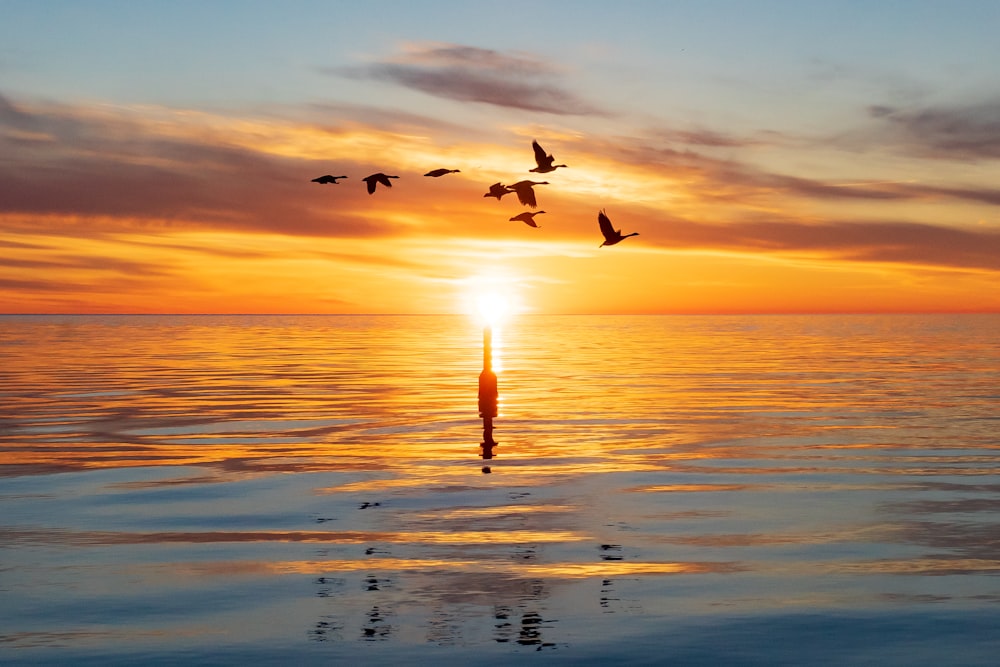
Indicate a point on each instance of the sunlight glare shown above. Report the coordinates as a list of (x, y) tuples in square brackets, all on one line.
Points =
[(492, 307)]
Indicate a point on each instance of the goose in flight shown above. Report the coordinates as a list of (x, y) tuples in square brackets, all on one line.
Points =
[(524, 191), (544, 161), (327, 179), (611, 235), (498, 190), (375, 179), (527, 218), (441, 172)]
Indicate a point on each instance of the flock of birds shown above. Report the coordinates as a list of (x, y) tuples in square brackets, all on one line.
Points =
[(523, 189)]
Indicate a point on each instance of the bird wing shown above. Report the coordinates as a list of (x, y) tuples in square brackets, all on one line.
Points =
[(384, 180), (526, 195), (540, 157), (498, 190), (605, 223), (370, 180)]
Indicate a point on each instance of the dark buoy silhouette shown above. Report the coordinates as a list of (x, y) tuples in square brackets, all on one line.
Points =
[(491, 307), (488, 393)]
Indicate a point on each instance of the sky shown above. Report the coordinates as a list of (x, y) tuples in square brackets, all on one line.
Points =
[(773, 157)]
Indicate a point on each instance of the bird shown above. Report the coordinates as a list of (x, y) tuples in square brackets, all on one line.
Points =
[(327, 179), (611, 235), (544, 161), (498, 190), (527, 218), (524, 191), (375, 179), (441, 172)]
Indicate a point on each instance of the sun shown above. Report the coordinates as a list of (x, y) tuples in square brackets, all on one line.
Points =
[(491, 298), (492, 307)]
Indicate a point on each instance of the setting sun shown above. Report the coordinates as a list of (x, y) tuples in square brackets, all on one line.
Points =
[(492, 307)]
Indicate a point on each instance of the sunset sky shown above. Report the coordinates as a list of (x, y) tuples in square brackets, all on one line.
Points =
[(156, 157)]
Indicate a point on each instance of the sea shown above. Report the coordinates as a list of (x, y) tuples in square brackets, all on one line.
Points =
[(665, 490)]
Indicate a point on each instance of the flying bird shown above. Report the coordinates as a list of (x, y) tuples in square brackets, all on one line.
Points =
[(327, 179), (441, 172), (525, 193), (375, 179), (527, 218), (498, 190), (611, 235), (544, 161)]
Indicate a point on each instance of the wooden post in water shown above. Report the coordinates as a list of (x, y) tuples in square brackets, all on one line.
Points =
[(488, 393)]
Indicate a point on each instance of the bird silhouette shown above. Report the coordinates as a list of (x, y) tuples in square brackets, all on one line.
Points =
[(544, 161), (611, 235), (525, 193), (327, 179), (498, 190), (375, 179), (527, 218), (441, 172)]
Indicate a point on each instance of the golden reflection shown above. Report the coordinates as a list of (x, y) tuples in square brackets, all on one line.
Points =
[(563, 570), (871, 533), (381, 485), (533, 468), (92, 538), (492, 512), (688, 488)]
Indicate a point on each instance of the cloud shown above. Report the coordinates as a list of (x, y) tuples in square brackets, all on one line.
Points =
[(11, 115), (381, 117), (213, 251), (865, 241), (119, 174), (708, 138), (733, 181), (458, 55), (960, 132), (471, 74), (39, 285), (17, 245), (873, 190), (86, 274)]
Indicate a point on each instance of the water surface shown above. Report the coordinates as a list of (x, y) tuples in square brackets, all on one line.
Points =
[(667, 490)]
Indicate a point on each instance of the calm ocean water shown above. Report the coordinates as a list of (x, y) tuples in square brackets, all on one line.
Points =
[(774, 490)]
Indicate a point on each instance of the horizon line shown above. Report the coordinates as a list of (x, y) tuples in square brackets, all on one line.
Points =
[(576, 314)]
